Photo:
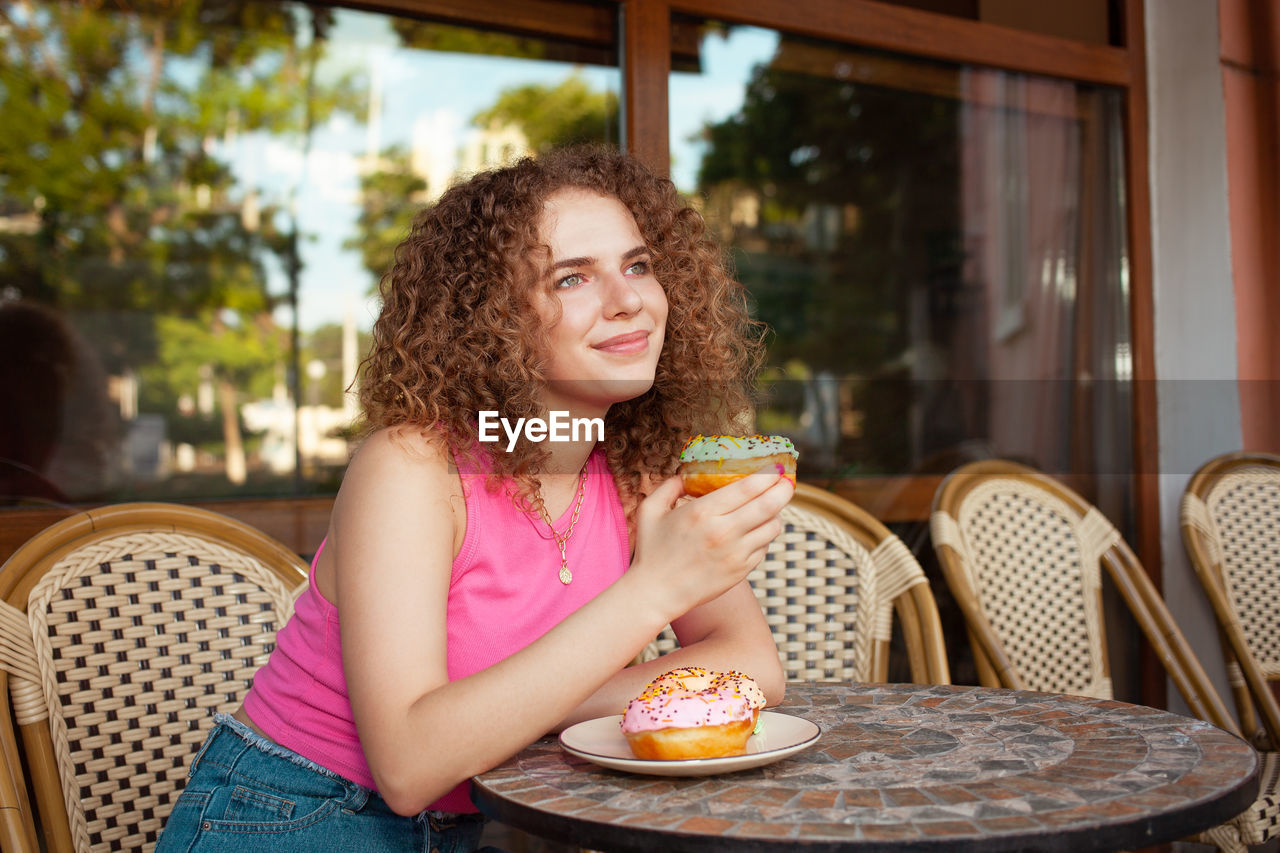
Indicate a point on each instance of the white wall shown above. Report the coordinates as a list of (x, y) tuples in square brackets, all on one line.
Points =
[(1195, 339)]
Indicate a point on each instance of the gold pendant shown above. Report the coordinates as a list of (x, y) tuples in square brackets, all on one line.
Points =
[(566, 576)]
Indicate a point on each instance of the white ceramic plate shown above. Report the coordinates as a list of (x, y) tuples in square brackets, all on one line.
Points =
[(601, 741)]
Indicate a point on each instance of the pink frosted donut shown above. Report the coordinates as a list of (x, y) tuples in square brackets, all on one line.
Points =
[(693, 713)]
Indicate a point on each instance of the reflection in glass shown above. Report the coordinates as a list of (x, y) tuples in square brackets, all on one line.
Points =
[(198, 201), (939, 251)]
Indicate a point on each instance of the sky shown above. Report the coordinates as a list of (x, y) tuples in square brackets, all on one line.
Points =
[(436, 94)]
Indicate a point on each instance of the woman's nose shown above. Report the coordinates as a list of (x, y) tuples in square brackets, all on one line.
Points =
[(621, 299)]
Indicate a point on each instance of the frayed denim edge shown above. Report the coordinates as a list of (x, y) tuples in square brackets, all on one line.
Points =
[(272, 748)]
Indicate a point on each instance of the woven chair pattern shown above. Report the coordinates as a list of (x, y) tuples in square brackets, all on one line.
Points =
[(826, 598), (1022, 553), (1241, 517), (1231, 527), (137, 640), (999, 529)]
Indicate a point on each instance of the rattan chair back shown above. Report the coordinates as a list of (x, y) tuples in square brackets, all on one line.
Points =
[(830, 587), (1024, 557), (1231, 529), (122, 629)]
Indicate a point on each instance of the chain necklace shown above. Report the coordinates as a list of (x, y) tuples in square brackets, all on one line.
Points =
[(562, 539)]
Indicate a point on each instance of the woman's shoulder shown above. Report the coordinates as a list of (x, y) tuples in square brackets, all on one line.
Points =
[(399, 491), (402, 453), (403, 444)]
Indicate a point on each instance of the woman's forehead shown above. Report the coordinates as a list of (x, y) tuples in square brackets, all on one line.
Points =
[(580, 203)]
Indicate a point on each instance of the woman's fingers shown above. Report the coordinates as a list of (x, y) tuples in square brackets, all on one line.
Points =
[(662, 499), (761, 508), (741, 491), (721, 537), (756, 541)]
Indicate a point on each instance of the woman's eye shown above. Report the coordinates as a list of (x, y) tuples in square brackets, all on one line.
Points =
[(638, 268), (571, 280)]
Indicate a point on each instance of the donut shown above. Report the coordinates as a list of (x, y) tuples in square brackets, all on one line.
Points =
[(692, 713), (708, 462)]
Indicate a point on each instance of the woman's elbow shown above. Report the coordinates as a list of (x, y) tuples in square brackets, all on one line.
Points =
[(773, 685), (406, 796), (403, 805), (768, 675)]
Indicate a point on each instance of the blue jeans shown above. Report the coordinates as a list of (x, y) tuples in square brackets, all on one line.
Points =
[(247, 793)]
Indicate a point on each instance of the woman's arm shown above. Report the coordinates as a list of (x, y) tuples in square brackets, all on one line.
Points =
[(727, 633), (392, 535)]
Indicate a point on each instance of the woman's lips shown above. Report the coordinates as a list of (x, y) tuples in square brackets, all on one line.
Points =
[(628, 344)]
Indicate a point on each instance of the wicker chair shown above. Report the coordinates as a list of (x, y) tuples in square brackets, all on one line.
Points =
[(830, 586), (1231, 529), (121, 630), (1024, 557)]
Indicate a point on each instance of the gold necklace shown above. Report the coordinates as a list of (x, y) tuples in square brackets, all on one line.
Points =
[(562, 540)]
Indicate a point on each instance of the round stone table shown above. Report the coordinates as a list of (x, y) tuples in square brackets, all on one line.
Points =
[(907, 767)]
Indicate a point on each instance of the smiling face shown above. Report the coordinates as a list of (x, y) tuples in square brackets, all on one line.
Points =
[(605, 313)]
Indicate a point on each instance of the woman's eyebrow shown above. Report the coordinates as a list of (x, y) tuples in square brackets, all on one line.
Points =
[(584, 261)]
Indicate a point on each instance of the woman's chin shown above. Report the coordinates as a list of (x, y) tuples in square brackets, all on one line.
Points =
[(597, 393)]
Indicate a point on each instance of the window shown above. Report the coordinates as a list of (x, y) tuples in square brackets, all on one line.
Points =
[(940, 250)]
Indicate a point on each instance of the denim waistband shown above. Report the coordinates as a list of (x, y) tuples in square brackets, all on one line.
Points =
[(270, 747), (439, 820)]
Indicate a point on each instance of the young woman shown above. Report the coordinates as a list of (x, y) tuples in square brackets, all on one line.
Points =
[(472, 596)]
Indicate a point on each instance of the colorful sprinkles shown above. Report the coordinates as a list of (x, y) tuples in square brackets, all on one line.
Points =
[(702, 448), (690, 697)]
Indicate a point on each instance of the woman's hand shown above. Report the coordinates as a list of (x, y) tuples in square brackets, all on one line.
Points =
[(695, 550), (691, 562)]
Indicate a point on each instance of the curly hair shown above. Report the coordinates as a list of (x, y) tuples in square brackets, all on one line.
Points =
[(458, 332)]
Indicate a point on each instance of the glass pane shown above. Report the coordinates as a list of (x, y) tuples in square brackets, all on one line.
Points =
[(939, 250), (196, 203)]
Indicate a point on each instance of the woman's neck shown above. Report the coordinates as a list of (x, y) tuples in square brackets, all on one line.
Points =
[(559, 479), (567, 458)]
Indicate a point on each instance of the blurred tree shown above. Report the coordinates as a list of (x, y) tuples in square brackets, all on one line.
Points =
[(431, 35), (839, 201), (324, 344), (568, 112), (387, 208), (127, 216)]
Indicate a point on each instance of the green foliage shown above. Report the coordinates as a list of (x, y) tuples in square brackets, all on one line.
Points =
[(241, 351), (877, 167), (840, 200), (568, 112), (386, 210), (131, 221), (324, 344), (429, 35)]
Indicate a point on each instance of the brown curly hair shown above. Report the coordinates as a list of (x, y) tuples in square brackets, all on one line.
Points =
[(458, 332)]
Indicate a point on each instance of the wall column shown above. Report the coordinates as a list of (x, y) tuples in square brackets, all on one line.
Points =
[(1198, 403), (1250, 57)]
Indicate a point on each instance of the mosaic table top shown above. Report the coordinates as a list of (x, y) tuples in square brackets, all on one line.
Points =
[(907, 767)]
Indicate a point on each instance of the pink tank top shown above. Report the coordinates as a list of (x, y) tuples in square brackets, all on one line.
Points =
[(504, 594)]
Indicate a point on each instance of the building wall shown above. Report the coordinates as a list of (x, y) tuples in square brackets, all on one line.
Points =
[(1195, 311), (1250, 63)]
